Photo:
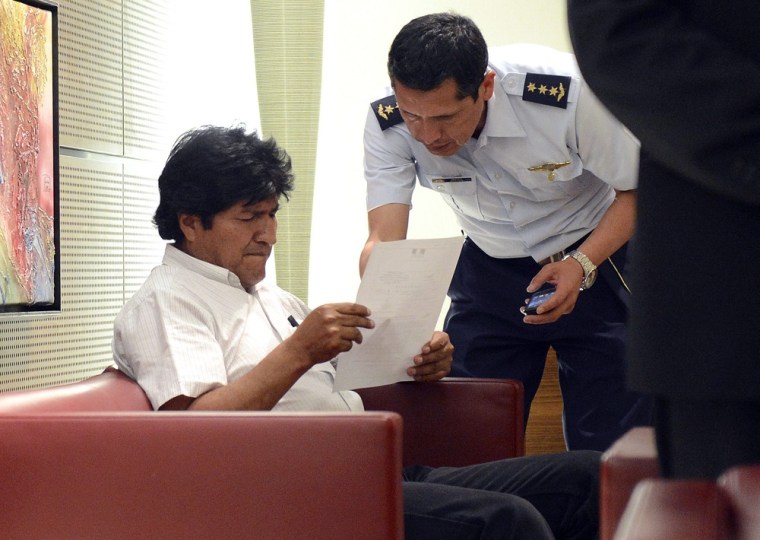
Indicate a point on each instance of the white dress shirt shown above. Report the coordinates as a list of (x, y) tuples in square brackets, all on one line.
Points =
[(192, 327)]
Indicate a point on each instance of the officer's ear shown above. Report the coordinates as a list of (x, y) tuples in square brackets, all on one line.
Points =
[(487, 86)]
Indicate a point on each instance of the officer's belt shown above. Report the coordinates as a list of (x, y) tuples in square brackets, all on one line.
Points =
[(555, 257)]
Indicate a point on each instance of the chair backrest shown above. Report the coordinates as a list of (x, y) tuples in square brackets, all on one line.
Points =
[(456, 421), (108, 391), (226, 476)]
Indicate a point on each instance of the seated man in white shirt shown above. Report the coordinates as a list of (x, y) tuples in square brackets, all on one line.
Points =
[(205, 333)]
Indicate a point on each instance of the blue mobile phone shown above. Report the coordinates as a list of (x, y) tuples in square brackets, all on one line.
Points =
[(538, 298)]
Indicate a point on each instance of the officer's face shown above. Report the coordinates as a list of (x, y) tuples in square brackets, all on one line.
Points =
[(439, 119)]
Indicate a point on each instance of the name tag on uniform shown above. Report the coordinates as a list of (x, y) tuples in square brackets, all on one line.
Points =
[(451, 180)]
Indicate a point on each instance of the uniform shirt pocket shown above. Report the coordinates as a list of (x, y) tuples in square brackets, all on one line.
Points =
[(551, 179), (459, 191)]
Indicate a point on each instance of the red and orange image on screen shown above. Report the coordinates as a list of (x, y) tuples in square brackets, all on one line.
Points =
[(27, 186)]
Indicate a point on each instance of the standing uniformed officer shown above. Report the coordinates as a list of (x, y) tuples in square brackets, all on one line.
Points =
[(542, 180)]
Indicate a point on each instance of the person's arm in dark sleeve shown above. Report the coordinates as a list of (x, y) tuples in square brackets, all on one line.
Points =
[(681, 84)]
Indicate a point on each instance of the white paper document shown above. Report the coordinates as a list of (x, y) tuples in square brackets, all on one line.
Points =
[(404, 286)]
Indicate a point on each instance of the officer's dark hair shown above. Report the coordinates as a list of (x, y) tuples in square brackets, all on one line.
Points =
[(211, 168), (430, 49)]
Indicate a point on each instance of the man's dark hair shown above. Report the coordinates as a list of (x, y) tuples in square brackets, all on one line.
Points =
[(430, 49), (212, 168)]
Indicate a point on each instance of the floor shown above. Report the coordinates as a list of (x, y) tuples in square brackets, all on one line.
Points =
[(544, 432)]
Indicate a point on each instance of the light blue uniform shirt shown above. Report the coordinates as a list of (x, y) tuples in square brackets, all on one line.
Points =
[(508, 210)]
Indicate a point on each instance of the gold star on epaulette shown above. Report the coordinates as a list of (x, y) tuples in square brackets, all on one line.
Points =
[(546, 89), (386, 112)]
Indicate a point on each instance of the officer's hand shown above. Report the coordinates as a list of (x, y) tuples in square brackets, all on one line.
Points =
[(330, 330), (434, 361), (567, 277)]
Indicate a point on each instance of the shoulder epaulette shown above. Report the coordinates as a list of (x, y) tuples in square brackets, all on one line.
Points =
[(547, 89), (386, 112)]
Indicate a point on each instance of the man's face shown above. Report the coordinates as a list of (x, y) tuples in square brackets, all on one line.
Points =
[(439, 119), (240, 238)]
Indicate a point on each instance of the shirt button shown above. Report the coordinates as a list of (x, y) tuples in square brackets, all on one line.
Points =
[(512, 205)]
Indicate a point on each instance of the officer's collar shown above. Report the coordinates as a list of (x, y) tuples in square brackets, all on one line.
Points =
[(501, 120)]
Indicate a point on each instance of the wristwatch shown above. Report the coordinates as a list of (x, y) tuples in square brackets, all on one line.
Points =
[(589, 269)]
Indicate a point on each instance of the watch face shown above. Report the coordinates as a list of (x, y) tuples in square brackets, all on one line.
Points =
[(589, 280)]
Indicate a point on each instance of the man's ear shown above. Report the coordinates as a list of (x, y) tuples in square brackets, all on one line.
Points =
[(189, 224), (488, 84)]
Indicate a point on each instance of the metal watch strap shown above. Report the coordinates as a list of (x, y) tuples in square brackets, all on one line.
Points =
[(589, 268)]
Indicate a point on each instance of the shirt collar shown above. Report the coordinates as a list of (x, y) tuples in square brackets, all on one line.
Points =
[(174, 256), (501, 120)]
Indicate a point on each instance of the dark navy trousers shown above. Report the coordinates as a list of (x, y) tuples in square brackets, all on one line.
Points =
[(543, 497), (490, 340)]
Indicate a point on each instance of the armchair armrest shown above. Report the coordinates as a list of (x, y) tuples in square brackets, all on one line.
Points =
[(109, 391), (742, 484), (675, 510), (455, 421), (201, 475), (630, 459), (728, 509)]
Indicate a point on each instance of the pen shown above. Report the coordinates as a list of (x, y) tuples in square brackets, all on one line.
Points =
[(292, 321)]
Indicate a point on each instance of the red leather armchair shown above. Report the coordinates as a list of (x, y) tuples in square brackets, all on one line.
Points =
[(199, 475), (728, 509), (456, 421), (110, 391), (91, 460), (629, 460)]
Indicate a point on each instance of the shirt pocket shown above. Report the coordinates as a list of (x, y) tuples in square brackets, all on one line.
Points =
[(460, 191), (551, 179)]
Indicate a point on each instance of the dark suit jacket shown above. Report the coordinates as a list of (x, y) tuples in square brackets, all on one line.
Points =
[(684, 76)]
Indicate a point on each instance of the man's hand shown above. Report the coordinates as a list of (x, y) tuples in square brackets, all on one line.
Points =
[(567, 277), (330, 330), (434, 361)]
